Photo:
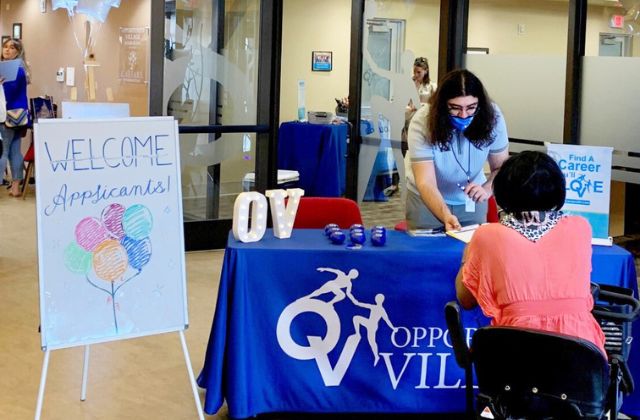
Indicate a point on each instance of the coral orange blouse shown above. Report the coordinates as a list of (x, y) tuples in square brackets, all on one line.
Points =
[(543, 285)]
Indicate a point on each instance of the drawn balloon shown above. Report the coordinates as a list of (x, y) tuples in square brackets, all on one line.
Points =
[(90, 232), (110, 260), (112, 220), (77, 259), (119, 239), (138, 251), (137, 222)]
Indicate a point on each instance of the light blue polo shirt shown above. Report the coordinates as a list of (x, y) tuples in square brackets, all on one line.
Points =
[(453, 165)]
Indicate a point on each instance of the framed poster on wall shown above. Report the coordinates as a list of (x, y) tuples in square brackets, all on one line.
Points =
[(321, 60)]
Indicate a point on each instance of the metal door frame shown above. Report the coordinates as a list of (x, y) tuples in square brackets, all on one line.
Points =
[(212, 234)]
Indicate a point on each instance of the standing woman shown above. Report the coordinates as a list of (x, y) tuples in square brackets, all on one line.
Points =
[(425, 88), (15, 92), (450, 140), (422, 79)]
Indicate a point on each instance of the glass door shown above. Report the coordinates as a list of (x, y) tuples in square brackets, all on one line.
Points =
[(210, 78), (394, 35)]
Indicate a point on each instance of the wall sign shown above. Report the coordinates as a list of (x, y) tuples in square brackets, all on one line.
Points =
[(321, 61), (587, 170)]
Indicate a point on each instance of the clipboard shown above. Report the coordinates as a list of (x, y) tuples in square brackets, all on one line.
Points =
[(9, 69), (464, 234)]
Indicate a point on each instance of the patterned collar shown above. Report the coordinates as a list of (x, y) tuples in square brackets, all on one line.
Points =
[(533, 225)]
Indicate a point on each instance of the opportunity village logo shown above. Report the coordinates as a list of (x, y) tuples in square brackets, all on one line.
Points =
[(423, 355)]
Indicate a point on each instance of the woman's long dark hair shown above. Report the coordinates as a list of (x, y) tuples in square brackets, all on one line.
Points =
[(460, 83)]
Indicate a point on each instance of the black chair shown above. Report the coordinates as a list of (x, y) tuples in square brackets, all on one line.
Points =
[(530, 374)]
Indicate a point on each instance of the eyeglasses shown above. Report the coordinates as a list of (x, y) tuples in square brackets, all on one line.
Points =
[(458, 110)]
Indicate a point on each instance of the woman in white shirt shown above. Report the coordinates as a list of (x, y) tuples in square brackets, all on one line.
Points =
[(422, 79), (425, 88)]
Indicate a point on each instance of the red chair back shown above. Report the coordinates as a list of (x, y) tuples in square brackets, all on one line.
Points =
[(492, 211), (401, 226), (317, 212), (28, 157)]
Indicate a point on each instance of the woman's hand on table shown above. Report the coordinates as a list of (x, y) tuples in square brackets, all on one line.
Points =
[(451, 222)]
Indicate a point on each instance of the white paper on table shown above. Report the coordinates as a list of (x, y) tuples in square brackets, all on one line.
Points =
[(464, 234)]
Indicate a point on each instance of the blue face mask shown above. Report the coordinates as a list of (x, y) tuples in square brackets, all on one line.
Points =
[(460, 123)]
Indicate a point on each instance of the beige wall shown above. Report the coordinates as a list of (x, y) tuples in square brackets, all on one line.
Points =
[(423, 25), (326, 26), (494, 24), (598, 18), (50, 43), (314, 26)]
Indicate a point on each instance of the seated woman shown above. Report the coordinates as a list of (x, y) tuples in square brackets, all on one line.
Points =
[(532, 270)]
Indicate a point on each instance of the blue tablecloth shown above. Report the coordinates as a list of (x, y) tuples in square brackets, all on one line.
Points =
[(318, 153), (282, 343)]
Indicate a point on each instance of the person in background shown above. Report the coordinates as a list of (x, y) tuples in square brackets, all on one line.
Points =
[(425, 88), (450, 140), (533, 269), (16, 94), (421, 78)]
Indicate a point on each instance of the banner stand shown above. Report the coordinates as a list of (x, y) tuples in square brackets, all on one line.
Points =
[(587, 170)]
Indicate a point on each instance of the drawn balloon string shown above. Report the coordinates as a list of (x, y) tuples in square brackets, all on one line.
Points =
[(113, 248)]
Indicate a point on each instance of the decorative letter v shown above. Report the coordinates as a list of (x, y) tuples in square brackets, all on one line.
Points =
[(333, 376)]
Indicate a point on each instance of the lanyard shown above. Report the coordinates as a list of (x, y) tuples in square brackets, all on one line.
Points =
[(468, 171)]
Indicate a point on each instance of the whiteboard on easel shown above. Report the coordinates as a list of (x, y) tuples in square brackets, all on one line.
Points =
[(110, 230)]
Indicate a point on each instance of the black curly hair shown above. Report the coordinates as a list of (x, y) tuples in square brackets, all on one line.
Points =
[(529, 181)]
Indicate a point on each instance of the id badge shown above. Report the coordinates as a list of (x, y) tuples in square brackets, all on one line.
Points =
[(469, 205)]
